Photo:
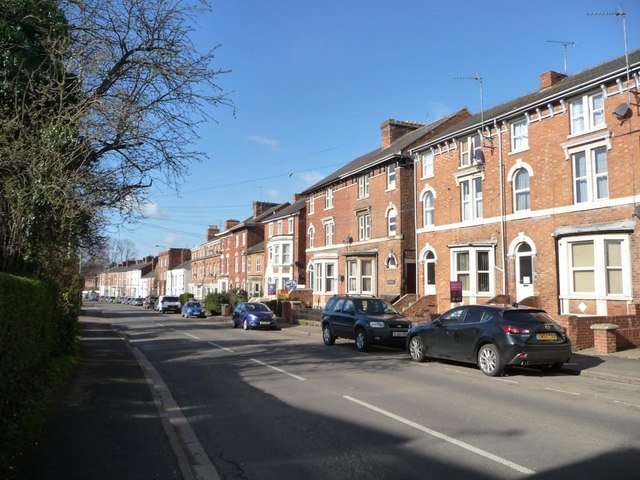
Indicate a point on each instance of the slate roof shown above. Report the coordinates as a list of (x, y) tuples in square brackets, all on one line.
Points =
[(288, 211), (257, 248), (572, 84), (379, 155), (252, 221)]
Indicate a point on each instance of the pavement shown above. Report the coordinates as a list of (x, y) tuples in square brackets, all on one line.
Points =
[(115, 419)]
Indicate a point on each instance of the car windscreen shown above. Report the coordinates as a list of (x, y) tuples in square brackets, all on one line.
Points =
[(258, 307), (526, 316), (170, 299), (375, 306)]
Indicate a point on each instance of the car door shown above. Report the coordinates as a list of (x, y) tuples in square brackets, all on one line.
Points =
[(440, 341), (334, 315), (467, 333)]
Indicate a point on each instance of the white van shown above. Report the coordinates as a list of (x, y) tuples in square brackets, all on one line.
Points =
[(168, 303)]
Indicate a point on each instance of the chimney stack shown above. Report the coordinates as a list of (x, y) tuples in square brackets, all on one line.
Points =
[(212, 231), (392, 130), (550, 78)]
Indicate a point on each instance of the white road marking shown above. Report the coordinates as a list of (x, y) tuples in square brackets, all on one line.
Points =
[(446, 438), (277, 369), (505, 380), (221, 347), (562, 391), (192, 336), (627, 404)]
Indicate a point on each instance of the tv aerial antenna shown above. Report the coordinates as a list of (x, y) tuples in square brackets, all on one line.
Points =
[(620, 13), (564, 44), (478, 79)]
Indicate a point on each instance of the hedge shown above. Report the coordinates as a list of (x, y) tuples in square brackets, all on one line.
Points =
[(37, 322)]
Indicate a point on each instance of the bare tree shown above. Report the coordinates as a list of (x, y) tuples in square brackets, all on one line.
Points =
[(105, 102)]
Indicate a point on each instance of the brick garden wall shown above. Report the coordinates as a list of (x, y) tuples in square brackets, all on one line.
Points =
[(579, 330)]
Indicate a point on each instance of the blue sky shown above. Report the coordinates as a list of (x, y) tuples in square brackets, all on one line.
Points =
[(313, 81)]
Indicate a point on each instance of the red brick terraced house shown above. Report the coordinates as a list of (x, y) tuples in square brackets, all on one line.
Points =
[(360, 219), (255, 270), (205, 265), (537, 199), (234, 242), (168, 260), (284, 247)]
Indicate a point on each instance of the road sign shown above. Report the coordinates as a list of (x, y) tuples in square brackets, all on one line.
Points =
[(291, 285)]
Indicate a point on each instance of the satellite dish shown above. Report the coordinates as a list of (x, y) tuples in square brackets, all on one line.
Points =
[(478, 157), (622, 111)]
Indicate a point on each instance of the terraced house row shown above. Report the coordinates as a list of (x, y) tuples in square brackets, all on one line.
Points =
[(534, 200)]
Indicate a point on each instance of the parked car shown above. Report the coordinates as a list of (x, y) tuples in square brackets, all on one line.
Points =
[(193, 308), (149, 301), (493, 337), (168, 303), (367, 320), (137, 301), (253, 315)]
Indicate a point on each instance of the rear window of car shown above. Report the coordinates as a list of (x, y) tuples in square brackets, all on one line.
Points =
[(535, 316), (170, 299)]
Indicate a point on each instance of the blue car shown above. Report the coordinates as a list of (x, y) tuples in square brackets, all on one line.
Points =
[(254, 315), (193, 309)]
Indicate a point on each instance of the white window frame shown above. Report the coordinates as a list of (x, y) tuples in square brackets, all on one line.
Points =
[(270, 229), (329, 231), (391, 176), (471, 198), (587, 113), (290, 226), (601, 268), (427, 158), (312, 204), (279, 227), (468, 148), (473, 272), (277, 259), (312, 237), (328, 198), (364, 226), (286, 254), (258, 264), (356, 279), (363, 186), (519, 135), (590, 177), (428, 209), (521, 192), (392, 222)]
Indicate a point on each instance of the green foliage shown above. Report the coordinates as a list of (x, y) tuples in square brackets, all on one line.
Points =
[(37, 324), (214, 301), (236, 296), (185, 297)]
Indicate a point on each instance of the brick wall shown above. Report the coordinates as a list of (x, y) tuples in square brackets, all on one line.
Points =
[(581, 335)]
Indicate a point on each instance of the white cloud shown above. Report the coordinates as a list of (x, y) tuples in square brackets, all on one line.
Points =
[(268, 142), (152, 210), (174, 240), (310, 178)]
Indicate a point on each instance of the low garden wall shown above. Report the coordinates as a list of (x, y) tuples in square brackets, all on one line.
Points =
[(581, 334)]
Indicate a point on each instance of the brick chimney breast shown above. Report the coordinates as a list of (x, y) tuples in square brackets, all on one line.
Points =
[(212, 231), (392, 130), (550, 78)]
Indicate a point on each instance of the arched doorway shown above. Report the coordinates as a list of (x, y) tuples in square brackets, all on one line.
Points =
[(524, 271), (429, 273)]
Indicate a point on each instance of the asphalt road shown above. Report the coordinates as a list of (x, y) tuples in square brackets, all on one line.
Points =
[(281, 405)]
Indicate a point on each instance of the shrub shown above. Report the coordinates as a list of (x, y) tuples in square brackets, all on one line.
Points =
[(214, 301)]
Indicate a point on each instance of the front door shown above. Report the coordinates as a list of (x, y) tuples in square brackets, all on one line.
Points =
[(524, 272), (429, 273)]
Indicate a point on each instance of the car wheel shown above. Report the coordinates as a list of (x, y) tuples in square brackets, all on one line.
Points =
[(245, 324), (489, 360), (327, 336), (416, 349), (362, 343), (234, 324)]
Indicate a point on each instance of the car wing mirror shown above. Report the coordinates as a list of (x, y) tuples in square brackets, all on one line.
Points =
[(437, 322)]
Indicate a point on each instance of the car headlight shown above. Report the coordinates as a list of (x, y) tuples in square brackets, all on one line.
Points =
[(376, 324)]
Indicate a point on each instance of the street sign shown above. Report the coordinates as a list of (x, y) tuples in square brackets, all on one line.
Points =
[(291, 285)]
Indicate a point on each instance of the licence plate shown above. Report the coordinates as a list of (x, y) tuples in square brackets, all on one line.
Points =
[(546, 336), (265, 323), (399, 334)]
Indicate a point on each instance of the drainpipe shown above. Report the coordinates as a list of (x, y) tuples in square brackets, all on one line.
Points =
[(503, 260), (415, 221)]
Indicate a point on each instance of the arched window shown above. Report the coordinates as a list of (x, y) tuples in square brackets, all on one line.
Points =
[(521, 192), (428, 208), (312, 237), (392, 219)]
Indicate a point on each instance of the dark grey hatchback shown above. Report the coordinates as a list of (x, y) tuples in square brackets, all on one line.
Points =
[(493, 337), (367, 320)]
